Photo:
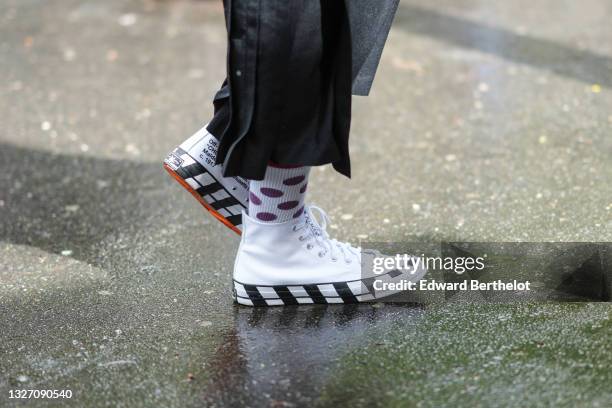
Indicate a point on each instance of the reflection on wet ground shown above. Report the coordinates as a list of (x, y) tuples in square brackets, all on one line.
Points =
[(286, 353)]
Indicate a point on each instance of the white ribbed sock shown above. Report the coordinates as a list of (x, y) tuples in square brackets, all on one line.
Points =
[(280, 195)]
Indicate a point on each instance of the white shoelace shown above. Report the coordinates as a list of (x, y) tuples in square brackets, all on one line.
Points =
[(317, 230)]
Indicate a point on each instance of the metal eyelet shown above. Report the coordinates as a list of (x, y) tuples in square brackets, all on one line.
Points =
[(301, 237), (334, 259), (321, 254), (309, 246)]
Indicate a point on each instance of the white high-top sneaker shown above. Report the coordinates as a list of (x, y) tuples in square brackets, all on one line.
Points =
[(192, 164), (296, 262)]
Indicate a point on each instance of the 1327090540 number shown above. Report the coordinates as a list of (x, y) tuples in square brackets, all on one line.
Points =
[(37, 394)]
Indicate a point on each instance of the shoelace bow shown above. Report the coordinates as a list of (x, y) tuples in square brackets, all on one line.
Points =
[(317, 231)]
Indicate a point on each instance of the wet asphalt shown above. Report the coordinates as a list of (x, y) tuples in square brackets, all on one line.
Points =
[(486, 122)]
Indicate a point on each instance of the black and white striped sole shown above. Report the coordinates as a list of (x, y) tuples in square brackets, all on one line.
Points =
[(208, 190), (355, 291)]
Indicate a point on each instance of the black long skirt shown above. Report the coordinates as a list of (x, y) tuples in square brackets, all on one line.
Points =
[(291, 67)]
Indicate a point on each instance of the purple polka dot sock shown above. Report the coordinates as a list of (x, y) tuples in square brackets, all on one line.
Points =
[(280, 195)]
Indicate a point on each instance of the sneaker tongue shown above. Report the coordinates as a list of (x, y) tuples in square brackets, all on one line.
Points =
[(313, 224)]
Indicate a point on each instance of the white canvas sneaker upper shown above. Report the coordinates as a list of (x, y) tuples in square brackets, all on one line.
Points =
[(202, 147), (298, 252), (192, 164), (292, 252)]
